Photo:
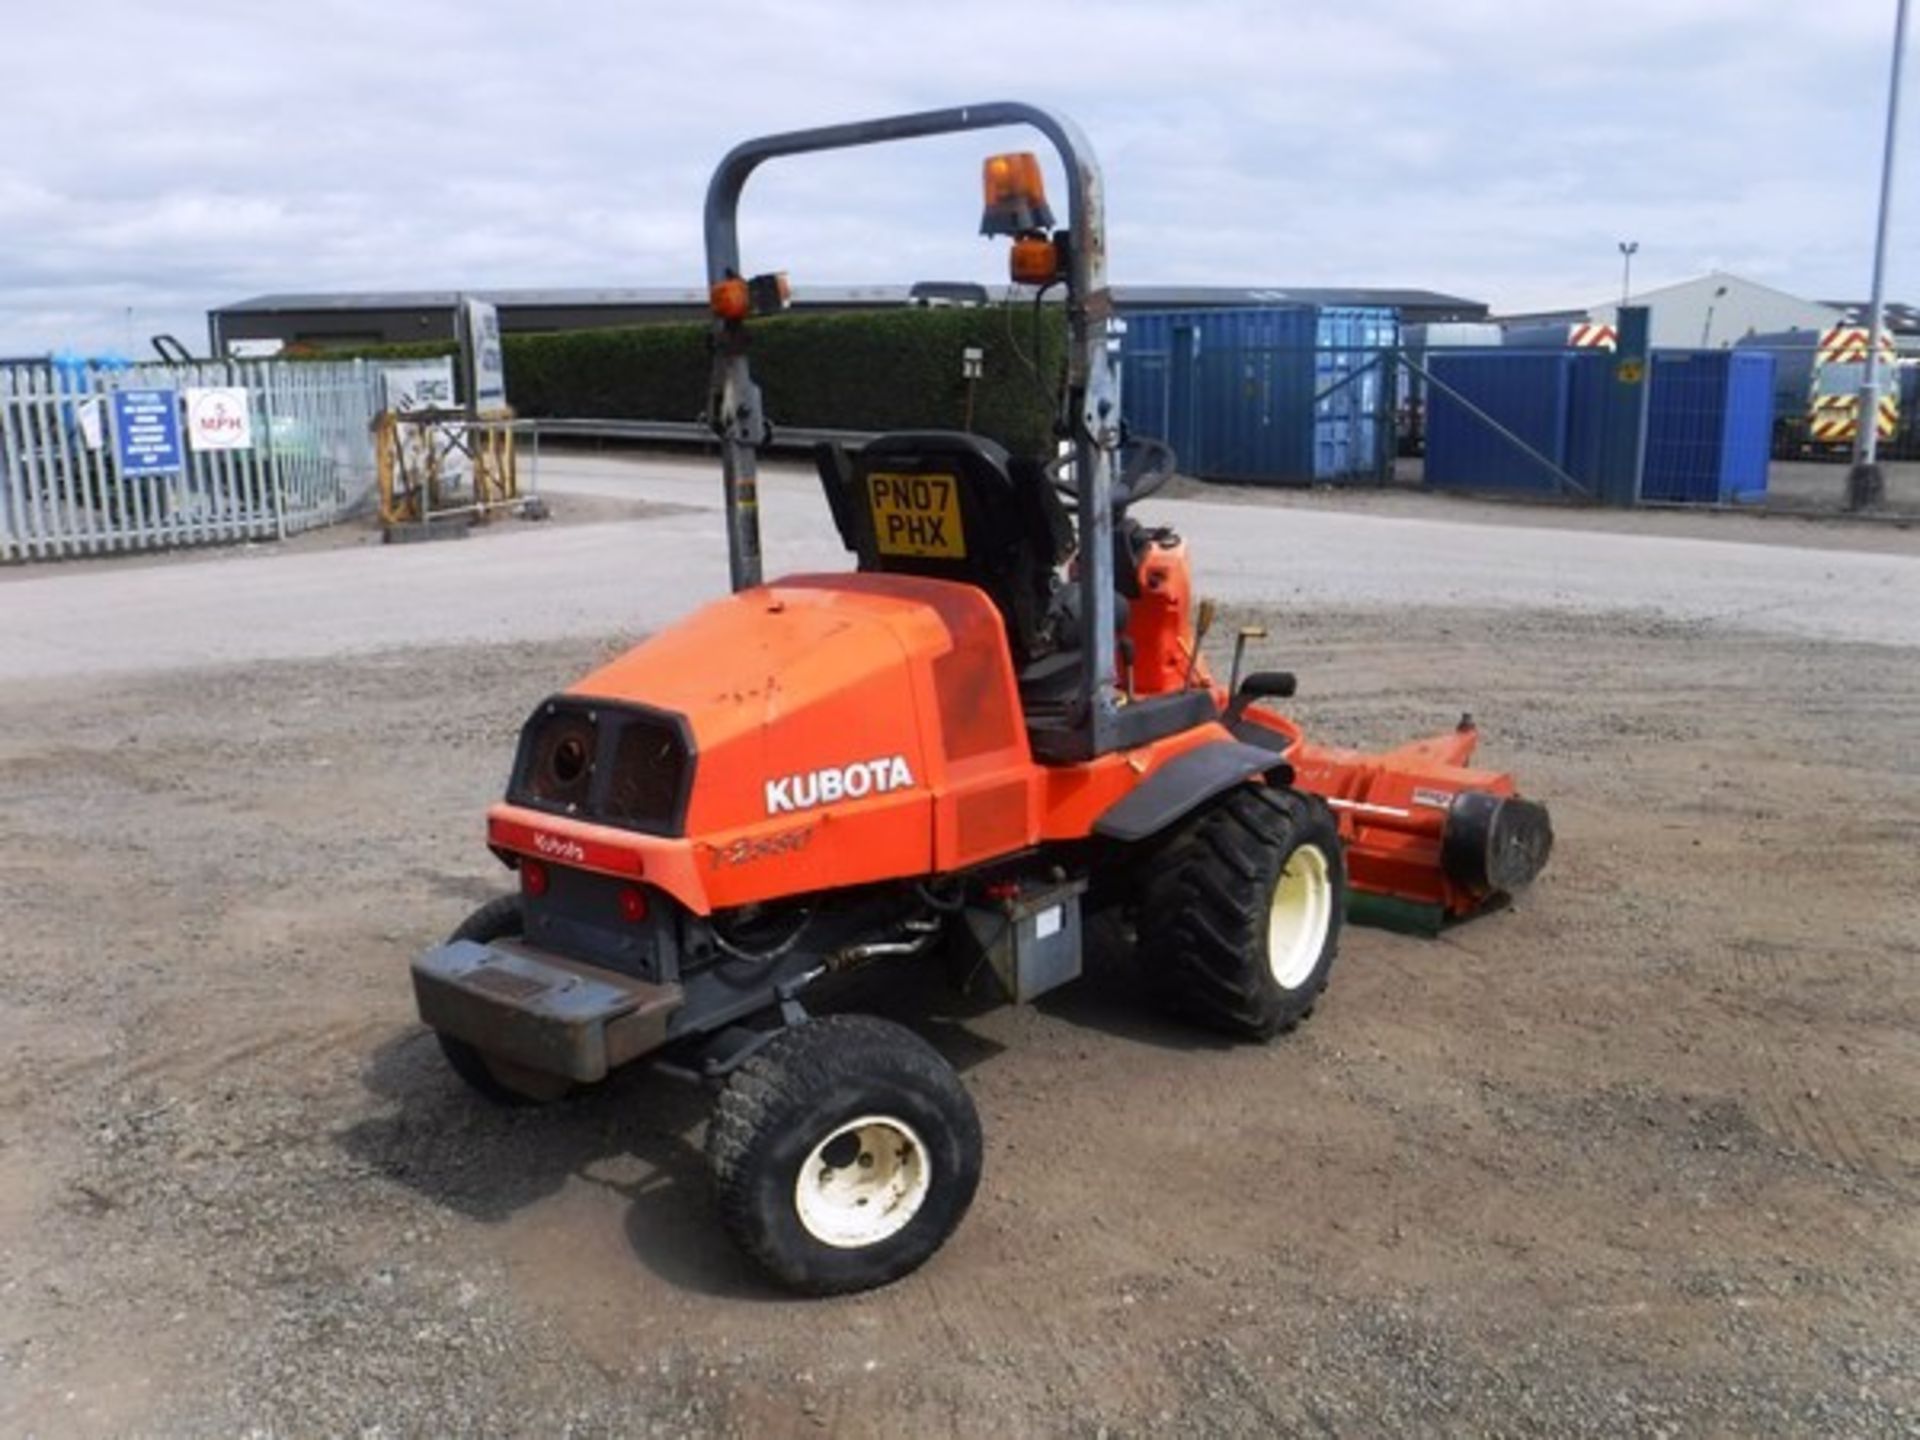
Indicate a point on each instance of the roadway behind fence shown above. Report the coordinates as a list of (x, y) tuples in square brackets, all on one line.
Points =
[(66, 487)]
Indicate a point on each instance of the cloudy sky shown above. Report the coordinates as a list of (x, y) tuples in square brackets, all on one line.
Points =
[(160, 159)]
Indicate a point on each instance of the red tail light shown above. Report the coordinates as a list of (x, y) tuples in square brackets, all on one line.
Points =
[(533, 879), (633, 903)]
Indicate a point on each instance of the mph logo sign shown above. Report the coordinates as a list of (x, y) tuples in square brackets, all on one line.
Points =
[(838, 782), (219, 419)]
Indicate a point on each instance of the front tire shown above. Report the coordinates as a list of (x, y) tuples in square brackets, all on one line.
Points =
[(843, 1154), (1241, 913)]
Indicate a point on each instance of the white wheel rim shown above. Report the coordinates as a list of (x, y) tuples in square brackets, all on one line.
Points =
[(863, 1183), (1298, 918)]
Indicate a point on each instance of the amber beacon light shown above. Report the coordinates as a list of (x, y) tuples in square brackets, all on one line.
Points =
[(729, 298), (1035, 261), (1016, 196)]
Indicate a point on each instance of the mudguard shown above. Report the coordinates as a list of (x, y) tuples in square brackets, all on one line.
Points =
[(1185, 783)]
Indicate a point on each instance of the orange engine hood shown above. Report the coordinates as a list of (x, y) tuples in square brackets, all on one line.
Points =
[(827, 713)]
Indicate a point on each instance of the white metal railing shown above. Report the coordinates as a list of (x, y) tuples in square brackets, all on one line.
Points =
[(64, 489)]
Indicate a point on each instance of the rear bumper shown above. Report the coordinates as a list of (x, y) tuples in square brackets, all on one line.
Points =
[(665, 862), (538, 1010)]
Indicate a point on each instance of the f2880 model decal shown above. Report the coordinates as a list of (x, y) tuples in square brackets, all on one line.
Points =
[(750, 848), (844, 782)]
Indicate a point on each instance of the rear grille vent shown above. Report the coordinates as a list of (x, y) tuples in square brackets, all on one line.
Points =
[(612, 764), (648, 760)]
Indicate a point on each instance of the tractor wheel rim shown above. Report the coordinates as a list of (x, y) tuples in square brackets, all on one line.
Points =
[(864, 1183), (1298, 918)]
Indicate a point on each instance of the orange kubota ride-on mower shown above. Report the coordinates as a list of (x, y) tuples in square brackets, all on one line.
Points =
[(996, 725)]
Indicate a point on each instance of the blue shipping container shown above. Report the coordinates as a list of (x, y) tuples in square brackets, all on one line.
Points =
[(1286, 394), (1527, 394), (1906, 439), (1709, 426)]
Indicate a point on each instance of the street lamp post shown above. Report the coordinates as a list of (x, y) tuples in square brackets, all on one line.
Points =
[(1706, 330), (1866, 486), (1628, 248)]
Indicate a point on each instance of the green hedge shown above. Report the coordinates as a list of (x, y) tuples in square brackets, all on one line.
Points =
[(878, 370), (873, 370)]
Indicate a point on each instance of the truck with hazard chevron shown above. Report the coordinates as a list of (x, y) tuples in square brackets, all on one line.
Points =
[(1817, 380)]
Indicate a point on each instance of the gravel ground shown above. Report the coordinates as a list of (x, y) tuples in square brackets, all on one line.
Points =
[(1637, 1156)]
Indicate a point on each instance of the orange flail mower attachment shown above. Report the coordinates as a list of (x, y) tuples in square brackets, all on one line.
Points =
[(1430, 838)]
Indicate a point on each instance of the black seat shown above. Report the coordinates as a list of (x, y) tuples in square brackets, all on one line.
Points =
[(954, 506)]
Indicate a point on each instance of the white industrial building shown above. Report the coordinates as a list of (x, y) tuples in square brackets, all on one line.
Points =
[(1713, 311)]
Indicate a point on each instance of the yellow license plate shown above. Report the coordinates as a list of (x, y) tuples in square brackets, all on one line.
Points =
[(916, 515)]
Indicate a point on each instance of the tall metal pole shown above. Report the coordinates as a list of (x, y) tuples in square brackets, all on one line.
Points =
[(1866, 486), (1628, 248)]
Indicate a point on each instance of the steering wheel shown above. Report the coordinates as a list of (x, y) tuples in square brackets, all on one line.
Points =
[(1146, 466)]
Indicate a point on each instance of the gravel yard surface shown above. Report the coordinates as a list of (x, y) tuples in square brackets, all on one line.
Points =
[(1638, 1156)]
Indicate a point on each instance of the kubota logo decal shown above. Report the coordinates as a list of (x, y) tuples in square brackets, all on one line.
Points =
[(845, 782), (558, 849)]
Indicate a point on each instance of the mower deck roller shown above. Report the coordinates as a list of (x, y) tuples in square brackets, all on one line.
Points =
[(995, 727), (1494, 844)]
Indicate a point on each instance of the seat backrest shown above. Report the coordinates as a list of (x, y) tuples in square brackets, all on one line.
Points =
[(953, 506)]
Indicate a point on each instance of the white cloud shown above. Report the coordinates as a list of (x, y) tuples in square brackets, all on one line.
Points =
[(164, 159)]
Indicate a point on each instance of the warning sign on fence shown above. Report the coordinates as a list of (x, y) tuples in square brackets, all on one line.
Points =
[(146, 427), (219, 419), (86, 417)]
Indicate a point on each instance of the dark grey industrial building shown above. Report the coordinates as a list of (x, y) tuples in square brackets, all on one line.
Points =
[(1416, 307), (1902, 321), (384, 317)]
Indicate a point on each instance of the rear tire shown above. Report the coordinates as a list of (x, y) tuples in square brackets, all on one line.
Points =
[(501, 1083), (1241, 910), (843, 1154)]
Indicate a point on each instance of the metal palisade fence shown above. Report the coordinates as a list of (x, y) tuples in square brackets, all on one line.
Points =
[(99, 459)]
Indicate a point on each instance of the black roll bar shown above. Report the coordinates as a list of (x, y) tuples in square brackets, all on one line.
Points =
[(1093, 362)]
